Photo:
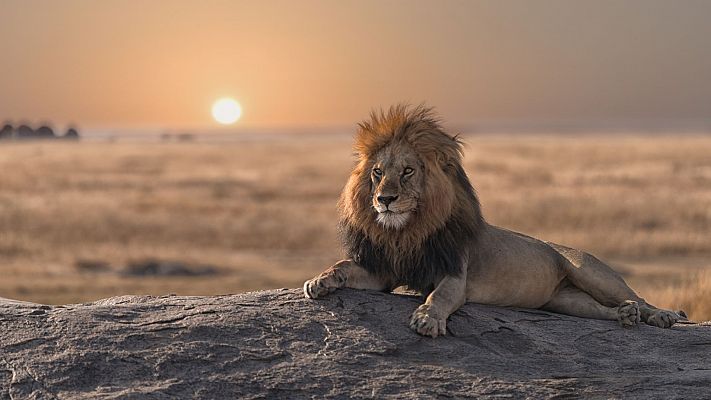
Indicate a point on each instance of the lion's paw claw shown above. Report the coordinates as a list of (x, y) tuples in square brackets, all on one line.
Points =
[(628, 313), (314, 288), (424, 323)]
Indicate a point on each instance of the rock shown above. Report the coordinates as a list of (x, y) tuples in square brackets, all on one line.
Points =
[(148, 267), (277, 344), (166, 268), (92, 266)]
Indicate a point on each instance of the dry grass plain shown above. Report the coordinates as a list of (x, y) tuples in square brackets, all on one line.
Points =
[(263, 211)]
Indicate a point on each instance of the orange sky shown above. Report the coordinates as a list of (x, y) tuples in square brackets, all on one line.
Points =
[(162, 63)]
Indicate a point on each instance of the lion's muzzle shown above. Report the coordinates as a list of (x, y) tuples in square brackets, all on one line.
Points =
[(386, 200)]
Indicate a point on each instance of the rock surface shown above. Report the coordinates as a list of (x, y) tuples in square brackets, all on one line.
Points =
[(277, 344)]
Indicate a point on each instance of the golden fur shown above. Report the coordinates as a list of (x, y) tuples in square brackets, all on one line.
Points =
[(442, 196)]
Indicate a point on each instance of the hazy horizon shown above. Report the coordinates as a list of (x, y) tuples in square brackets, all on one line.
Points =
[(129, 65)]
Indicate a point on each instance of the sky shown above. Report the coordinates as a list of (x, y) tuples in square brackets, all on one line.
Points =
[(161, 64)]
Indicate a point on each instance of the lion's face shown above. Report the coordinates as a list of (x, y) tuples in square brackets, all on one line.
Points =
[(397, 180)]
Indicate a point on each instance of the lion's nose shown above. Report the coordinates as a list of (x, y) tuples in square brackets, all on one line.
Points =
[(386, 200)]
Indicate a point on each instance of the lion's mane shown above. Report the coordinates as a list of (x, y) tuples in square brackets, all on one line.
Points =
[(448, 217)]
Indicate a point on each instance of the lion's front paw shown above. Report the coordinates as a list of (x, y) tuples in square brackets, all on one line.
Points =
[(315, 288), (628, 313), (324, 284), (662, 318), (425, 323)]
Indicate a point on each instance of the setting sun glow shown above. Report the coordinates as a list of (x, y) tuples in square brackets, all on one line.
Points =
[(226, 111)]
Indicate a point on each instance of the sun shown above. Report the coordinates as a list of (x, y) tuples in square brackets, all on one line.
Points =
[(226, 111)]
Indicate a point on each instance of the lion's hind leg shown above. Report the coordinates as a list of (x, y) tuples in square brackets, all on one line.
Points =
[(572, 301), (607, 286)]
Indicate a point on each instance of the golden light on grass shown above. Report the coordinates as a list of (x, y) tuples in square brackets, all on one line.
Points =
[(226, 111)]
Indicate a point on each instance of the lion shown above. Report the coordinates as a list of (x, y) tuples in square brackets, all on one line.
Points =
[(409, 216)]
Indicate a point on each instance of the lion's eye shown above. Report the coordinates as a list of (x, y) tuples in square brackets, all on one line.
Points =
[(377, 172), (409, 170)]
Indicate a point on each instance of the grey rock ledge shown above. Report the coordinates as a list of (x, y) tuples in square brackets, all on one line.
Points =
[(277, 344)]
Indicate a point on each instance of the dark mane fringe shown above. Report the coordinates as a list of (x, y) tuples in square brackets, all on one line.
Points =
[(442, 254)]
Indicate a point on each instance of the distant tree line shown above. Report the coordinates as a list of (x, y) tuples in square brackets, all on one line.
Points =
[(23, 132)]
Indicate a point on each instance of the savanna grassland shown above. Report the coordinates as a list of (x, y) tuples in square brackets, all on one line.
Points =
[(262, 213)]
